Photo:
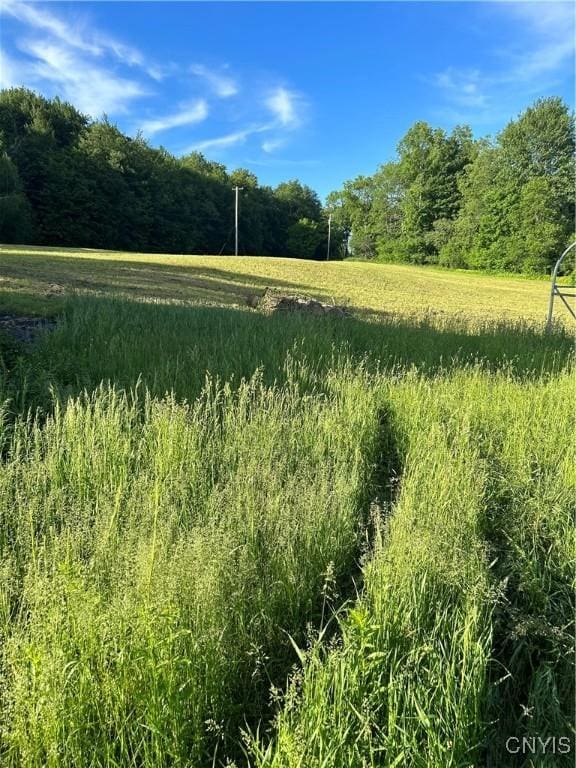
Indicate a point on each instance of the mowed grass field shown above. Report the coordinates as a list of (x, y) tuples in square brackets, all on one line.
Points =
[(38, 280), (230, 538)]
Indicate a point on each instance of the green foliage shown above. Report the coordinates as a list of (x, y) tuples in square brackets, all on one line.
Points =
[(300, 201), (352, 208), (90, 185), (429, 166), (503, 206), (305, 238), (15, 211), (518, 196), (448, 199), (186, 495), (392, 214)]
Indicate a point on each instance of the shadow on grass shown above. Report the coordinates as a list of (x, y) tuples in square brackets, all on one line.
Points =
[(173, 348), (48, 278)]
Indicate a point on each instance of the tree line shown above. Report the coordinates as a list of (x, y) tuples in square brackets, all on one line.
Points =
[(500, 205), (503, 204), (68, 181)]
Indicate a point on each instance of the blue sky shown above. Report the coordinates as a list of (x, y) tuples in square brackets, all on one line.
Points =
[(320, 91)]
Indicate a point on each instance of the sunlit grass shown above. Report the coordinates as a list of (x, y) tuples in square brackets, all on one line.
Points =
[(37, 280), (198, 503), (464, 634)]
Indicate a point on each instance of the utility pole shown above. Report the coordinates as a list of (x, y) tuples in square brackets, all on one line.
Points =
[(329, 230), (237, 189)]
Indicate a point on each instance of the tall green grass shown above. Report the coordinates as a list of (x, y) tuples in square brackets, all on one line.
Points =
[(154, 555), (407, 683), (186, 499), (527, 437), (172, 347), (462, 637)]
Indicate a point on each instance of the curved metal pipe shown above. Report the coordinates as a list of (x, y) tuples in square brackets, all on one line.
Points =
[(554, 288)]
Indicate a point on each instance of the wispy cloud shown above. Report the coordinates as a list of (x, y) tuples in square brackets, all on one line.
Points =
[(531, 63), (271, 145), (463, 87), (40, 19), (92, 89), (286, 115), (223, 85), (188, 115), (285, 106), (226, 141), (287, 110), (9, 71), (60, 56), (552, 25), (64, 53), (75, 35)]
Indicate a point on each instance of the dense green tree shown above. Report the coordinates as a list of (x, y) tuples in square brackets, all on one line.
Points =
[(430, 164), (307, 238), (88, 184), (495, 205), (354, 211), (299, 201), (15, 211), (517, 209), (540, 143), (482, 223), (23, 112), (393, 213), (538, 233), (506, 204)]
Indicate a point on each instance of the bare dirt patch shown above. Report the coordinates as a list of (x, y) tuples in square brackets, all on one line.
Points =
[(272, 301)]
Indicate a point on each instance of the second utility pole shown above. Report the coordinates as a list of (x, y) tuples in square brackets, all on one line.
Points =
[(237, 189)]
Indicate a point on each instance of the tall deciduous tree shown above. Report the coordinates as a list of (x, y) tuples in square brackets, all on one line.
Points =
[(518, 196), (430, 165), (15, 211), (506, 204)]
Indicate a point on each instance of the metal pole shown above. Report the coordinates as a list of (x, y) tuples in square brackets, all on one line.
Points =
[(553, 287), (329, 229), (237, 189), (551, 303)]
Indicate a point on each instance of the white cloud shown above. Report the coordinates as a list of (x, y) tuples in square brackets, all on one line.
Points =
[(9, 71), (90, 88), (463, 87), (229, 140), (68, 56), (285, 106), (221, 142), (37, 18), (551, 26), (550, 18), (271, 145), (76, 36), (127, 55), (222, 85), (188, 115)]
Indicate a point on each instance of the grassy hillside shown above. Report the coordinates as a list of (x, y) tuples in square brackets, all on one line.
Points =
[(37, 280), (279, 541)]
